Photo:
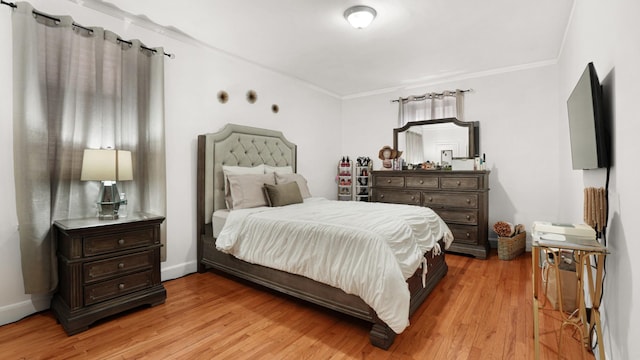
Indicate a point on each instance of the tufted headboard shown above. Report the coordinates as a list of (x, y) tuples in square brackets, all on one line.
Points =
[(235, 145)]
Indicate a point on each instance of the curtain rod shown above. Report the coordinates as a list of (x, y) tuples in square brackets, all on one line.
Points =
[(430, 95), (171, 56)]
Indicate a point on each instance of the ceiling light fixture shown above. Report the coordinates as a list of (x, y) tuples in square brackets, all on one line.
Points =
[(360, 16)]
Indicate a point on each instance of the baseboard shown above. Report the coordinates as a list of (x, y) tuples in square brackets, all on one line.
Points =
[(177, 271), (14, 312)]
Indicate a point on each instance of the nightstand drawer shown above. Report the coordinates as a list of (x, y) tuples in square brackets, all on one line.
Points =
[(464, 183), (117, 287), (102, 244), (98, 270), (390, 181)]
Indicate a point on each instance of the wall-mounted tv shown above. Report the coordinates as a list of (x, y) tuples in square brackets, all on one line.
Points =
[(588, 127)]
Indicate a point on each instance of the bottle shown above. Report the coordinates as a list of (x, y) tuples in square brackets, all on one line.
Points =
[(122, 211)]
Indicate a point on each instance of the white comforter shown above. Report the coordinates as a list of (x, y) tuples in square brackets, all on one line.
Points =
[(366, 249)]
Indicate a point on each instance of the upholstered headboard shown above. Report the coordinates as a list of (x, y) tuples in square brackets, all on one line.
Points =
[(235, 145)]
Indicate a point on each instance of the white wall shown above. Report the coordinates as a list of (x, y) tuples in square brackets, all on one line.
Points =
[(308, 117), (608, 34), (524, 132), (518, 115)]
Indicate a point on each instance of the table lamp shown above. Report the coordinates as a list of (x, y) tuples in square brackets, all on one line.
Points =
[(107, 166)]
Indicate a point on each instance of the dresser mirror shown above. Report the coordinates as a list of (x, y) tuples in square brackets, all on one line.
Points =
[(425, 140)]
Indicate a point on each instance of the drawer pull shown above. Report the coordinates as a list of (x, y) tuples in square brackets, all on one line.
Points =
[(468, 201), (468, 235), (388, 181), (121, 242), (413, 198), (468, 217), (458, 182), (121, 286), (121, 266), (421, 181), (430, 199), (382, 196)]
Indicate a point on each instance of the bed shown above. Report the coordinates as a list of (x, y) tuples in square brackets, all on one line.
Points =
[(242, 146)]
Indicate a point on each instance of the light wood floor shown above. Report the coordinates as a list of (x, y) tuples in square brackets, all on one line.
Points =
[(481, 310)]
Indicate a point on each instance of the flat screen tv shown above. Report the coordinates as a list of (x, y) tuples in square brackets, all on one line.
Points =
[(588, 128)]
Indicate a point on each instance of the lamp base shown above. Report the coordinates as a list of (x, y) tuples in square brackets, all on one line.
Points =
[(108, 201)]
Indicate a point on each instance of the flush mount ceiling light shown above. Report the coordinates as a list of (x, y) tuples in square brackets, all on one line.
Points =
[(360, 16)]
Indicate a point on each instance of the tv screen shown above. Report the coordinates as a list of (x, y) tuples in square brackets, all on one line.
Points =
[(587, 126)]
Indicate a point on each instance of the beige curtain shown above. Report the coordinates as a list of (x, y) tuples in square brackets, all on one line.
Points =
[(77, 89), (431, 106)]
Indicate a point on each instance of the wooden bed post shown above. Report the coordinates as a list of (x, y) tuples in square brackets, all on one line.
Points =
[(381, 335)]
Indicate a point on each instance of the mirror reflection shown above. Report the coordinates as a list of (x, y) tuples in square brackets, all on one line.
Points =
[(423, 141)]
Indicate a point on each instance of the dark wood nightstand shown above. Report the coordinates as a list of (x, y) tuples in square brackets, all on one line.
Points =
[(106, 267)]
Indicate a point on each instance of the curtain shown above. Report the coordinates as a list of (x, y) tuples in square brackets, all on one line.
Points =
[(415, 147), (77, 89), (431, 106)]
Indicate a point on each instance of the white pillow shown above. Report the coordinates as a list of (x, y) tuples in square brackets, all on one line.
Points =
[(246, 190), (302, 182), (237, 170), (278, 169)]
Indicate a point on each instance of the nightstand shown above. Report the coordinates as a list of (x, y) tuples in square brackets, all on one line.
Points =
[(106, 267)]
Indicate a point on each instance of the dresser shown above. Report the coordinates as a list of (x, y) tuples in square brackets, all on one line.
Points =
[(106, 267), (461, 198)]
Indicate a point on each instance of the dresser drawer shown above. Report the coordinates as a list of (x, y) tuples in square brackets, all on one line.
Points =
[(466, 217), (458, 200), (95, 245), (113, 288), (397, 197), (462, 183), (466, 234), (422, 182), (389, 181), (98, 270)]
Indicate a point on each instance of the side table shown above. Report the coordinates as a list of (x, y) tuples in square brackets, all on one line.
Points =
[(106, 267), (583, 250)]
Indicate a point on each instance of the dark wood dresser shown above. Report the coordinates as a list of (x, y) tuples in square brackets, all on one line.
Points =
[(461, 198), (106, 267)]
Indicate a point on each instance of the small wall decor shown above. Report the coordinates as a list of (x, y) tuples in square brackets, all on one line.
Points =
[(275, 108), (252, 97), (223, 96)]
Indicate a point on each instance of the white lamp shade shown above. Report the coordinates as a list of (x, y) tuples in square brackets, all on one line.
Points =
[(106, 165), (360, 16)]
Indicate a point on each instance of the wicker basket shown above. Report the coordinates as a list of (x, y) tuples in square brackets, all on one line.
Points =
[(510, 247)]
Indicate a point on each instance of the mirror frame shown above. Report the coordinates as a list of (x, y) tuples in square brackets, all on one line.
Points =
[(473, 127)]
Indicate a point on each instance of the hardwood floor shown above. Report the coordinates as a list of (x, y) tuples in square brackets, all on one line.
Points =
[(481, 310)]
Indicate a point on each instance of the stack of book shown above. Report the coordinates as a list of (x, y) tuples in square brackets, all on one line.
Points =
[(568, 236)]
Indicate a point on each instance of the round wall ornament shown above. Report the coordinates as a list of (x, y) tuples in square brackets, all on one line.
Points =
[(252, 96), (223, 96)]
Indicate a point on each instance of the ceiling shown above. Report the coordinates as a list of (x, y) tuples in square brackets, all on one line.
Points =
[(411, 42)]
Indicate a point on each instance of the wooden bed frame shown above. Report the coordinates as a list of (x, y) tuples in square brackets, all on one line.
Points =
[(238, 145)]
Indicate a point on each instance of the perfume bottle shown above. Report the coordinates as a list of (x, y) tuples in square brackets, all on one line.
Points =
[(122, 211)]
